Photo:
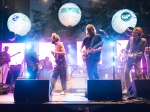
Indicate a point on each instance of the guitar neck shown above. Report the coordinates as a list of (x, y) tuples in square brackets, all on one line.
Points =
[(97, 45), (14, 54)]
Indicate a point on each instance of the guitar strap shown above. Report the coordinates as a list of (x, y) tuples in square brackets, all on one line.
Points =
[(92, 41), (91, 45)]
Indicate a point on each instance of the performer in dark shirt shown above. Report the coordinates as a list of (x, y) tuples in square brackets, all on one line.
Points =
[(135, 47), (32, 62), (92, 56)]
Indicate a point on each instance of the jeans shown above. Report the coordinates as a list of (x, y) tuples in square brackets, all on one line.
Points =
[(138, 71), (92, 70), (61, 71)]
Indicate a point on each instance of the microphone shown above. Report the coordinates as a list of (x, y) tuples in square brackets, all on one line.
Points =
[(103, 32)]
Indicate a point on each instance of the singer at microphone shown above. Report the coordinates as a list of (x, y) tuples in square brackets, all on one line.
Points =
[(103, 32)]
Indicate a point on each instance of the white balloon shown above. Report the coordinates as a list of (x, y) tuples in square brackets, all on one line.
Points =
[(69, 14), (19, 23), (123, 19)]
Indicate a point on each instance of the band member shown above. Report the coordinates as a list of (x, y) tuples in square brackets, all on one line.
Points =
[(60, 69), (45, 68), (135, 48), (91, 56), (121, 61), (32, 62), (147, 57), (47, 64), (4, 64)]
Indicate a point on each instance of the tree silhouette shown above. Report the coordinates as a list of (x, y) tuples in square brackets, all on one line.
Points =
[(50, 21), (99, 13)]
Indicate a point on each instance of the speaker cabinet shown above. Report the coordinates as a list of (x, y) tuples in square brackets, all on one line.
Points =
[(139, 88), (104, 90), (27, 90)]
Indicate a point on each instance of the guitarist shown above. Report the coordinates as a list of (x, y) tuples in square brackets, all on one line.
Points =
[(135, 48), (32, 61), (4, 64), (93, 55), (60, 69)]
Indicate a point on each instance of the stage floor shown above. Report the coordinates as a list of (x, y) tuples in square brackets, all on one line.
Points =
[(74, 98), (74, 102)]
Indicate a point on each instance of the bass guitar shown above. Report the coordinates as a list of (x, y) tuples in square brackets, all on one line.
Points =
[(86, 53)]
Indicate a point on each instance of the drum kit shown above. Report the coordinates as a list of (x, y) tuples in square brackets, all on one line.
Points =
[(76, 78)]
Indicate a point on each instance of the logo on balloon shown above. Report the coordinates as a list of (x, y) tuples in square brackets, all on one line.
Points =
[(15, 18), (64, 10), (19, 23), (126, 16)]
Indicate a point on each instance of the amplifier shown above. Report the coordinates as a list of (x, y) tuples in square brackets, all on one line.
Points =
[(15, 67), (13, 74)]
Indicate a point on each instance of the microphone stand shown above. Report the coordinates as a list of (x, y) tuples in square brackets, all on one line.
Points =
[(147, 56), (113, 59)]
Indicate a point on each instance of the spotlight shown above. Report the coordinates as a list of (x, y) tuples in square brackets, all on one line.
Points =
[(113, 64), (27, 74), (69, 46), (106, 75), (113, 54), (28, 46), (112, 44)]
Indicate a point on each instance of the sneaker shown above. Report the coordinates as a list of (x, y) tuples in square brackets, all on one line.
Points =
[(124, 91), (63, 93)]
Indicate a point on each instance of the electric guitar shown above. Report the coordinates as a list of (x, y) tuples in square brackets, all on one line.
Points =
[(86, 53), (4, 58), (131, 57)]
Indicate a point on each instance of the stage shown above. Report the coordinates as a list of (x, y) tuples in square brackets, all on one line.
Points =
[(74, 102)]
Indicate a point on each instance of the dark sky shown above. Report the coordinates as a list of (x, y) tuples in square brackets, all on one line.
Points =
[(42, 5)]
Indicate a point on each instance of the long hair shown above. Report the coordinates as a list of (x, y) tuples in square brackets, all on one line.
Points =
[(90, 26), (55, 37)]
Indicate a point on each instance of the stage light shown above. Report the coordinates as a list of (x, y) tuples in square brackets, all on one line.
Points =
[(112, 43), (69, 46), (27, 74), (28, 46), (123, 19), (44, 0), (19, 24), (68, 55), (69, 14), (113, 64), (106, 75), (112, 54)]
